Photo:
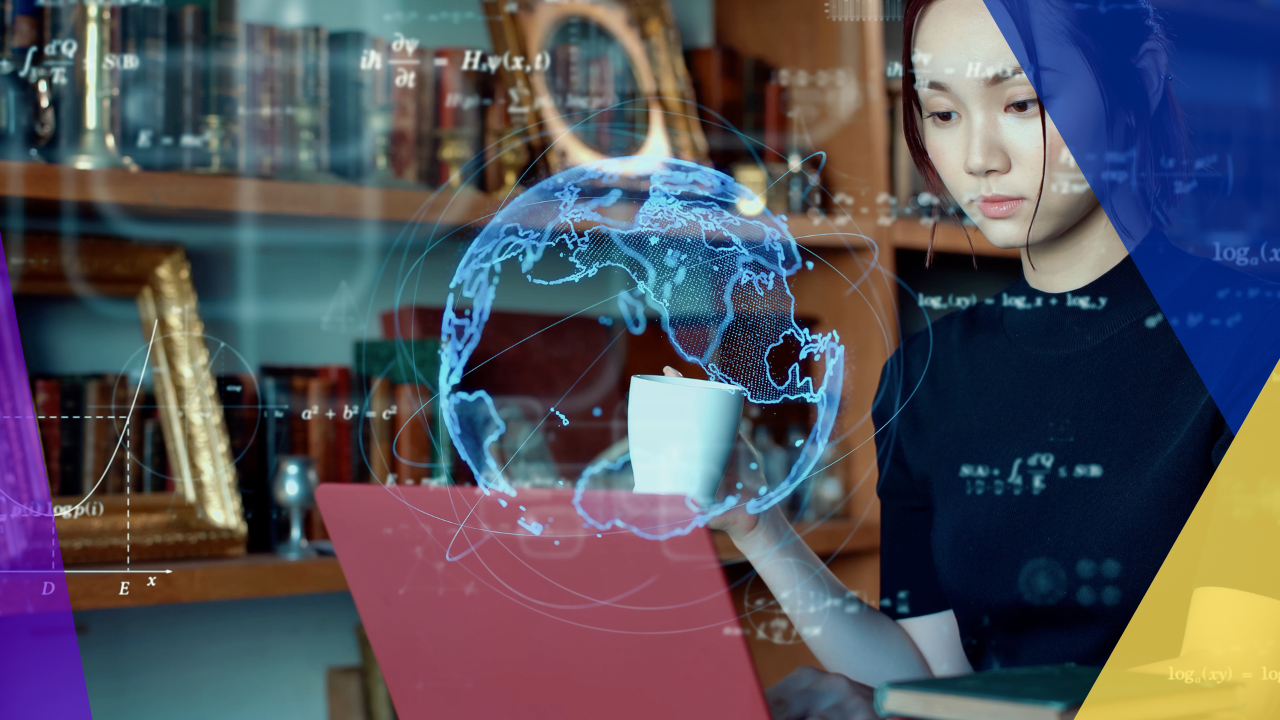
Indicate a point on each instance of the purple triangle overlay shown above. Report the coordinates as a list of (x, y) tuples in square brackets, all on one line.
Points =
[(1212, 256), (40, 671)]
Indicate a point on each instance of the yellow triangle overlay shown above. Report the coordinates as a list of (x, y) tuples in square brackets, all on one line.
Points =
[(1210, 623)]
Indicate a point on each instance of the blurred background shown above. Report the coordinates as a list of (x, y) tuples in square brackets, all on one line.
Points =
[(281, 192)]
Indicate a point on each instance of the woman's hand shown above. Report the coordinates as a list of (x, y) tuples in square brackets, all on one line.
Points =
[(811, 694), (743, 477)]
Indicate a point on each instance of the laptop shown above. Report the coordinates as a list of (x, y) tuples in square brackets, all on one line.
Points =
[(490, 606)]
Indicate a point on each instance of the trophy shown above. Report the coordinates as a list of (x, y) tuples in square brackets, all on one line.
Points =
[(309, 159), (454, 152), (97, 85), (383, 175), (294, 489)]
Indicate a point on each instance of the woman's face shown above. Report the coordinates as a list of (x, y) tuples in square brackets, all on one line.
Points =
[(981, 127)]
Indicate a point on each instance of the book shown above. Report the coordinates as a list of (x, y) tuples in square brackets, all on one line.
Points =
[(413, 434), (344, 413), (182, 141), (460, 99), (143, 83), (288, 83), (101, 467), (95, 452), (425, 143), (405, 68), (227, 84), (310, 104), (262, 133), (1051, 692), (374, 461), (71, 435), (124, 423), (46, 397), (154, 475), (239, 395), (351, 149), (388, 378), (577, 369), (58, 21), (321, 441)]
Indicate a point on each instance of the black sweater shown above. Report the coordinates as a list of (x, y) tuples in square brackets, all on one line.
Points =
[(1039, 455)]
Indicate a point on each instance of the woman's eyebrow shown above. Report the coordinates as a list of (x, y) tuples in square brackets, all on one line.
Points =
[(996, 77), (993, 77)]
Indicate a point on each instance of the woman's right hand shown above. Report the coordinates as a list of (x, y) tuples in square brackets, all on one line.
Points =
[(811, 694), (743, 477)]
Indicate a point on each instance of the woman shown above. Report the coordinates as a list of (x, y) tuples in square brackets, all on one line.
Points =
[(1039, 454)]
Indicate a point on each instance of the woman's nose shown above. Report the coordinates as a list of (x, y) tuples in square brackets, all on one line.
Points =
[(986, 153)]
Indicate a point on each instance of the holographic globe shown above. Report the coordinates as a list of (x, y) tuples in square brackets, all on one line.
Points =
[(702, 255)]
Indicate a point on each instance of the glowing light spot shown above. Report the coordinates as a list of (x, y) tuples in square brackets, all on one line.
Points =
[(502, 502), (523, 509), (808, 264), (596, 411), (799, 443), (563, 420), (534, 527), (754, 466)]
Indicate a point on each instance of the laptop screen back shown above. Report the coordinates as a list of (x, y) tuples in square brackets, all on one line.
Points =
[(472, 614)]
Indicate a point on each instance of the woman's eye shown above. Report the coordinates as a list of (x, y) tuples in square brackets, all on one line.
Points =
[(1024, 106), (942, 116)]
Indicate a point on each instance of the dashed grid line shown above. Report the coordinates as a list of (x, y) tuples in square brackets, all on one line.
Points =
[(64, 417), (128, 483)]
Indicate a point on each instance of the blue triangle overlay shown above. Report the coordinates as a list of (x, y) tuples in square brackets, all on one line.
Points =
[(1213, 269)]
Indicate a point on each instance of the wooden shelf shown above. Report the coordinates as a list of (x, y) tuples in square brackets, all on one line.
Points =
[(210, 196), (265, 575), (250, 576), (221, 197)]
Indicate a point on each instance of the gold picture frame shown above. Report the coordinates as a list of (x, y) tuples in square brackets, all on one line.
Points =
[(203, 517), (646, 31)]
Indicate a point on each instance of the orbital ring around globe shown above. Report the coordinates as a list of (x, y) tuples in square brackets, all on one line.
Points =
[(717, 279)]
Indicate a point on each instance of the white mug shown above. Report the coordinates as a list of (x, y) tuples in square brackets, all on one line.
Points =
[(681, 433)]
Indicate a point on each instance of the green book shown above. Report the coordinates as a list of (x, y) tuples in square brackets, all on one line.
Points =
[(1052, 692)]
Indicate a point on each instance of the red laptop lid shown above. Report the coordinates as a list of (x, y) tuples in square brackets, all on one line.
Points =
[(496, 607)]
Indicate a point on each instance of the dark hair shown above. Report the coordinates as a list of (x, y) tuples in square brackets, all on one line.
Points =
[(1108, 43)]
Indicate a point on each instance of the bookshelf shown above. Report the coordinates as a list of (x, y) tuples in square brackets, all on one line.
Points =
[(225, 198), (260, 246), (164, 195), (262, 575)]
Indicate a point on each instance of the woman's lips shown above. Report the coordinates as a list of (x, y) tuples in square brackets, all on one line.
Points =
[(999, 206)]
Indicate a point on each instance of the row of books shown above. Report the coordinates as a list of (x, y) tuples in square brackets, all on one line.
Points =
[(372, 422), (377, 419), (196, 89), (84, 436), (753, 131)]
